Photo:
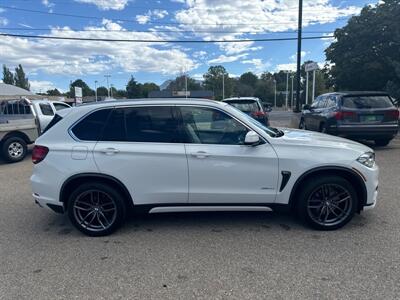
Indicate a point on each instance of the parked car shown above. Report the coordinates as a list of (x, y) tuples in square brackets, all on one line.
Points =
[(355, 115), (96, 162), (21, 122), (251, 106)]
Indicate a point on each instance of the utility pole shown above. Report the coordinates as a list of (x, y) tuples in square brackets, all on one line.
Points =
[(275, 93), (186, 85), (287, 88), (306, 88), (223, 86), (291, 101), (108, 86), (299, 27), (111, 91), (95, 89), (313, 85)]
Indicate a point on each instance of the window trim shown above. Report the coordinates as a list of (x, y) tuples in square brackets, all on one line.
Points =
[(179, 120)]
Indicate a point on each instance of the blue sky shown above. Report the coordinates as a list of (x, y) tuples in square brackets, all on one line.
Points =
[(54, 63)]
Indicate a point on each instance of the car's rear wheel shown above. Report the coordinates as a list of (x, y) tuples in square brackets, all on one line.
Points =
[(96, 209), (382, 142), (302, 124), (14, 149), (327, 203)]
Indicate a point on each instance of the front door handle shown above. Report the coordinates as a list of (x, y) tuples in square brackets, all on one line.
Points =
[(200, 154), (109, 151)]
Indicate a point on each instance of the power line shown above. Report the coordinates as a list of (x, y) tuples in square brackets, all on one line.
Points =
[(152, 30), (160, 23), (161, 40)]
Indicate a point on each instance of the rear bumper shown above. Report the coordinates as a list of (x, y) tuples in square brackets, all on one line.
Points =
[(365, 131)]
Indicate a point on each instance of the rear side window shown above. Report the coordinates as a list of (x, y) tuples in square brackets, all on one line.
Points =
[(366, 102), (60, 106), (46, 109), (151, 124), (90, 128)]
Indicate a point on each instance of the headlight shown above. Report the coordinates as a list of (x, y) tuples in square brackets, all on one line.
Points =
[(367, 159)]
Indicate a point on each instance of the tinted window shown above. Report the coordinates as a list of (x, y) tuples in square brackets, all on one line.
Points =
[(90, 128), (211, 126), (331, 101), (322, 102), (153, 124), (315, 103), (53, 122), (59, 106), (365, 102), (115, 128), (245, 105), (46, 109)]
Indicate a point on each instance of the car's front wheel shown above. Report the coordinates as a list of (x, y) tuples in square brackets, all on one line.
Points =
[(96, 209), (327, 203)]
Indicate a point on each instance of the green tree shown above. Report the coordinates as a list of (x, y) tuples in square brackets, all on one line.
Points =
[(133, 89), (54, 92), (102, 91), (249, 79), (86, 90), (148, 87), (8, 76), (365, 55), (213, 81), (179, 84), (20, 78)]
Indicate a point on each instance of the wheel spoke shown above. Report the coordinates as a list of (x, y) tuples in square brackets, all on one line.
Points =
[(82, 208), (101, 223), (84, 219)]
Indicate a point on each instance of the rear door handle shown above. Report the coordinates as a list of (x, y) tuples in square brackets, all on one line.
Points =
[(109, 151), (200, 154)]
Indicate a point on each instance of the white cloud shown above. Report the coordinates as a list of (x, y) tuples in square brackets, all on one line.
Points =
[(24, 25), (151, 14), (236, 18), (3, 21), (199, 54), (69, 57), (286, 67), (258, 65), (226, 59), (107, 4), (197, 76), (38, 86), (235, 48), (294, 56)]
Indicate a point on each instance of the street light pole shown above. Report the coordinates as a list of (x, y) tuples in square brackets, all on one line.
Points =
[(108, 86), (111, 92), (313, 85), (95, 89), (287, 88), (275, 93), (291, 100), (299, 27), (306, 88), (223, 86)]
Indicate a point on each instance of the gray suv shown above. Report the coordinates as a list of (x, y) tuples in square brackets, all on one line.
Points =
[(355, 115)]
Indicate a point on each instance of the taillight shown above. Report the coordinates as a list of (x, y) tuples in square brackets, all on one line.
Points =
[(258, 114), (341, 115), (39, 153), (392, 114)]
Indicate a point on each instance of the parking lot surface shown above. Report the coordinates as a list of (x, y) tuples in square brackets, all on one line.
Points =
[(199, 255)]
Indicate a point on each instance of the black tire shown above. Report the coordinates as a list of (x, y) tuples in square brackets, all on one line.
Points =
[(14, 149), (322, 128), (104, 220), (382, 142), (312, 211), (302, 124)]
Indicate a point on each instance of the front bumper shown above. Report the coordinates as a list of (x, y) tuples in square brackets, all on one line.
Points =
[(371, 181)]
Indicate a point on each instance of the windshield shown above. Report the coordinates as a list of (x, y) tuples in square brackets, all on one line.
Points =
[(367, 102), (271, 131), (245, 105)]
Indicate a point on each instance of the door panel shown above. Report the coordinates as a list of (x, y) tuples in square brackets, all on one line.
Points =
[(232, 173), (153, 173)]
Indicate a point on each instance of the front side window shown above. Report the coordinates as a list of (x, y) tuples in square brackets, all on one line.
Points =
[(210, 126), (46, 109)]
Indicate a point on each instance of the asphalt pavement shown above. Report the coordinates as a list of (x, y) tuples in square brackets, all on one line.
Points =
[(199, 255)]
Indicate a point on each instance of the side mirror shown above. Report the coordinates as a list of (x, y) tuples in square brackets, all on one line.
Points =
[(252, 138), (306, 107)]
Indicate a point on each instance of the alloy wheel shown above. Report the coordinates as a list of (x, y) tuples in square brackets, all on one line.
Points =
[(95, 210), (15, 150), (329, 204)]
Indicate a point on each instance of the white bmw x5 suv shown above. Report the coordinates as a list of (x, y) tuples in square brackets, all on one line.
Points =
[(96, 162)]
